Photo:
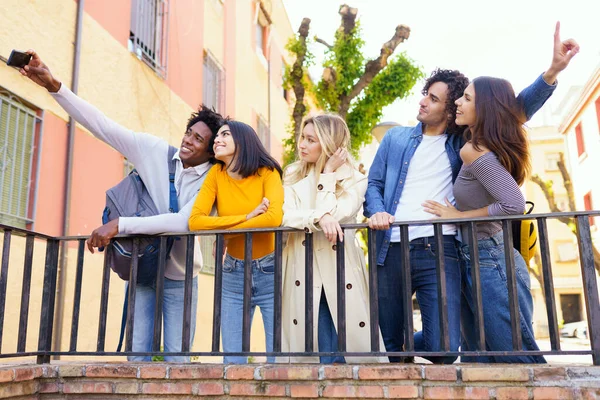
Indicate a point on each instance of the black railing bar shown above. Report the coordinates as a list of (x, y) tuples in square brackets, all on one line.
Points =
[(569, 214), (409, 342), (188, 284), (476, 295), (217, 293), (160, 294), (548, 283), (590, 285), (341, 293), (246, 306), (313, 354), (77, 296), (373, 291), (101, 339), (440, 267), (25, 294), (25, 232), (131, 294), (511, 283), (308, 292), (4, 277), (278, 292)]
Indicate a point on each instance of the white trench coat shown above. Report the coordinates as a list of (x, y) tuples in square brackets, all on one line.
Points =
[(305, 203)]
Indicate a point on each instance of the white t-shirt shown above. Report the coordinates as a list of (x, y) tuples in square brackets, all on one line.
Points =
[(429, 177)]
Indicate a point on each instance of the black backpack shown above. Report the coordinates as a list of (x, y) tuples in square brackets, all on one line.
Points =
[(130, 198)]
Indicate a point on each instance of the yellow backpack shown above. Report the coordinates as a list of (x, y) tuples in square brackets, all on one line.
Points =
[(525, 235)]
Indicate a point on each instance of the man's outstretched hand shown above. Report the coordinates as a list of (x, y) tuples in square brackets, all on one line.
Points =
[(39, 72), (564, 51)]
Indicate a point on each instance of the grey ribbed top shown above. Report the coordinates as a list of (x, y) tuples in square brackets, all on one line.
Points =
[(486, 183)]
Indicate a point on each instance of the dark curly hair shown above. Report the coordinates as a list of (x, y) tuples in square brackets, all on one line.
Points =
[(457, 83), (211, 118)]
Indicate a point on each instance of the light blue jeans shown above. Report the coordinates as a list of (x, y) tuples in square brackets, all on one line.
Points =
[(327, 335), (494, 294), (143, 326), (232, 303)]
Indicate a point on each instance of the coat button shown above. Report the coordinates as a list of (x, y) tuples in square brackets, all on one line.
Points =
[(334, 247), (303, 242), (349, 286), (362, 324), (306, 230), (297, 283), (295, 322), (320, 187)]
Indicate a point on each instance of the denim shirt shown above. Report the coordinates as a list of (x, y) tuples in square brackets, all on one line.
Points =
[(386, 179)]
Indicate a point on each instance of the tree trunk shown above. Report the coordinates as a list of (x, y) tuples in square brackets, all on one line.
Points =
[(297, 75)]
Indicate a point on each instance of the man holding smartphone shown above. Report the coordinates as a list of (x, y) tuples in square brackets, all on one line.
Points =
[(148, 153)]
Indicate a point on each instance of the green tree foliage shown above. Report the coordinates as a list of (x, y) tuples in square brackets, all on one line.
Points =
[(351, 85)]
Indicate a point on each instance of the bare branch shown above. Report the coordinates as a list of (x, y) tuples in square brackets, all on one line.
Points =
[(549, 194), (373, 67), (324, 43), (562, 167)]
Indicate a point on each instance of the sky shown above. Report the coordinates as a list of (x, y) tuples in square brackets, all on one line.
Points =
[(508, 38)]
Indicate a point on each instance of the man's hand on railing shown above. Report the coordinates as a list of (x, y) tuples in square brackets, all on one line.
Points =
[(381, 221), (331, 228), (260, 209), (101, 236)]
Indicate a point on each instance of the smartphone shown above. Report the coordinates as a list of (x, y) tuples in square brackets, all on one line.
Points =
[(18, 59)]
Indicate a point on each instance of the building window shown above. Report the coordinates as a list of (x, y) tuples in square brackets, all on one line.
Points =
[(262, 130), (212, 83), (148, 34), (552, 160), (567, 251), (579, 138), (19, 132), (262, 22), (589, 205)]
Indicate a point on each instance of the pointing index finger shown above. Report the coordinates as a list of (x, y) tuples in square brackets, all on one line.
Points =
[(557, 33)]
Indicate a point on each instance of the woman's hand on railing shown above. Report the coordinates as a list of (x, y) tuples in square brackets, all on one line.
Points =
[(101, 236), (331, 228), (260, 209)]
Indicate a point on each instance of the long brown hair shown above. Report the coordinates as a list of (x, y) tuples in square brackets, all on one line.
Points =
[(499, 126)]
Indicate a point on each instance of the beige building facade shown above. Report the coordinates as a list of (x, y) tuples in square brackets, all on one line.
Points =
[(147, 65)]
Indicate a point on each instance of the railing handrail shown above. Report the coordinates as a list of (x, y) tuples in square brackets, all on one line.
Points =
[(433, 221)]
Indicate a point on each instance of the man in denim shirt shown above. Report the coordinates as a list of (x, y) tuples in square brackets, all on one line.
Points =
[(414, 164)]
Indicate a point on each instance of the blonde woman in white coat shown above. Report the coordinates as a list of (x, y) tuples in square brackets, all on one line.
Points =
[(322, 191)]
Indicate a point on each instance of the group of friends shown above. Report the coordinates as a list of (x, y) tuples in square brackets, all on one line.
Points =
[(465, 158)]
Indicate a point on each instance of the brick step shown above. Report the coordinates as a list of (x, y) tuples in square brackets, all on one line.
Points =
[(216, 381)]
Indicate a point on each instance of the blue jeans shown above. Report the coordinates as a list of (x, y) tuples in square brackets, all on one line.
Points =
[(328, 338), (232, 303), (424, 283), (494, 295), (143, 326)]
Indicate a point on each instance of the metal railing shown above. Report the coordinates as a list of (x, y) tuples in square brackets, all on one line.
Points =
[(45, 351)]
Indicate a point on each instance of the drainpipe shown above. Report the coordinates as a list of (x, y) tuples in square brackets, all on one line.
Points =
[(62, 265)]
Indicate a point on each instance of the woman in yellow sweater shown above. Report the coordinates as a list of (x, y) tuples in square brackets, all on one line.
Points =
[(245, 186)]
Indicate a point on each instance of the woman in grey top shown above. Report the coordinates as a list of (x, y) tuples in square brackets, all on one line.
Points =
[(495, 162)]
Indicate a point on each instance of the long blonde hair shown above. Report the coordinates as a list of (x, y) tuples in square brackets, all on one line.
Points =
[(333, 133)]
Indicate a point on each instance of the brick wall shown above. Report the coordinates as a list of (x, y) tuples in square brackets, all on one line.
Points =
[(210, 381)]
